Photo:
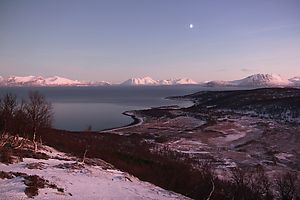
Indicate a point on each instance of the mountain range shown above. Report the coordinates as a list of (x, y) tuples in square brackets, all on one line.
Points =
[(149, 81), (256, 80), (45, 81)]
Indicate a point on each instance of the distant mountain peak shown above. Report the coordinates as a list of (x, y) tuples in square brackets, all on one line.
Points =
[(262, 80), (295, 80), (185, 81), (255, 80), (42, 81), (149, 81), (57, 80), (140, 81)]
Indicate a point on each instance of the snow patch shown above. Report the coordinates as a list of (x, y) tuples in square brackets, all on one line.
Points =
[(84, 182)]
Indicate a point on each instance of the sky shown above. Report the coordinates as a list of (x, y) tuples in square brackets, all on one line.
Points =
[(114, 40)]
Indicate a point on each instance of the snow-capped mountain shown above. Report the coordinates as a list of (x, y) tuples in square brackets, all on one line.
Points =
[(24, 80), (262, 80), (184, 81), (39, 81), (56, 80), (46, 81), (149, 81), (140, 81), (180, 81), (295, 80), (256, 80)]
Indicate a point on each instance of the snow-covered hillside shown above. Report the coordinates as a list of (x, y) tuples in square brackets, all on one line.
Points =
[(68, 178)]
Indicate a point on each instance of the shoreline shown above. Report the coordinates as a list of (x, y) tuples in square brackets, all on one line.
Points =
[(139, 120), (136, 122)]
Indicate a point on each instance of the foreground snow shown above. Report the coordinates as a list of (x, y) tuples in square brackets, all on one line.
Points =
[(86, 182)]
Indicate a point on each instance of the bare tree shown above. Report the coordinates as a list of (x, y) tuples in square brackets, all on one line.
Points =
[(20, 120), (39, 112), (8, 107)]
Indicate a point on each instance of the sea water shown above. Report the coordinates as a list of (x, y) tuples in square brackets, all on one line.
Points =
[(77, 108)]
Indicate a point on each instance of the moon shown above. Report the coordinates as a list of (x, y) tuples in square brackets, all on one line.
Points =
[(191, 25)]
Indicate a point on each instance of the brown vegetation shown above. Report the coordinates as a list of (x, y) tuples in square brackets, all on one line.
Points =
[(167, 169)]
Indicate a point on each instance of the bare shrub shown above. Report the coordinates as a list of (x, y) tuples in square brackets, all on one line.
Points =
[(260, 184), (8, 144), (6, 175), (286, 186), (6, 154), (248, 183)]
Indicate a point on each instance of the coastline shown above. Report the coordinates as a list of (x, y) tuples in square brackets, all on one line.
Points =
[(136, 122)]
